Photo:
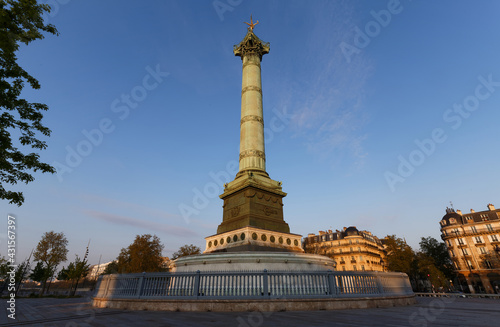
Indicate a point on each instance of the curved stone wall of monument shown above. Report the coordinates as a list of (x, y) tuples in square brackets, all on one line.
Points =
[(253, 290)]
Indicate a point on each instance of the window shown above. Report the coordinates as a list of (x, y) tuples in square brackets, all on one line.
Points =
[(357, 241), (452, 253), (465, 251), (478, 239), (362, 267), (323, 238), (470, 264), (351, 250), (350, 241), (354, 268), (343, 268), (460, 241), (352, 258), (482, 250), (449, 243), (473, 229), (340, 250), (490, 229), (360, 258), (494, 238), (359, 249)]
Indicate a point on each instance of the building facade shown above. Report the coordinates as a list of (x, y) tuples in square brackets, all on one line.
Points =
[(473, 242), (352, 250)]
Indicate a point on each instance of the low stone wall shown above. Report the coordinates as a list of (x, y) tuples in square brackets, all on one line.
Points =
[(273, 305), (250, 291)]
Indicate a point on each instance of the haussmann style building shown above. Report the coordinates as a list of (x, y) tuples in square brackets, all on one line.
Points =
[(473, 242), (352, 249)]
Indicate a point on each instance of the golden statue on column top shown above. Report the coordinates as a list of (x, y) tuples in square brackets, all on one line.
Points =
[(251, 24)]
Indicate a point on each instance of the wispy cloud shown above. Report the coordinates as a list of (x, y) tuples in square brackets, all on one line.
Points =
[(129, 206), (129, 221), (327, 105)]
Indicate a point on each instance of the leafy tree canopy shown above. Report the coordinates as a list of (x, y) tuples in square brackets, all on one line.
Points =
[(51, 250), (400, 256), (185, 251), (143, 255), (439, 253), (39, 272), (112, 268), (21, 22)]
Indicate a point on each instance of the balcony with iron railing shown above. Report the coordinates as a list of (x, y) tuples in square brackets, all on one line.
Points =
[(447, 234)]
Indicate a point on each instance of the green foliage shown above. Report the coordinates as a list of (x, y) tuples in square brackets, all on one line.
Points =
[(51, 250), (186, 250), (427, 269), (4, 267), (439, 253), (112, 268), (78, 269), (39, 272), (143, 255), (400, 256), (21, 22)]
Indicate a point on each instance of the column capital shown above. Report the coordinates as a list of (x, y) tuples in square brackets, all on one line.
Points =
[(251, 44)]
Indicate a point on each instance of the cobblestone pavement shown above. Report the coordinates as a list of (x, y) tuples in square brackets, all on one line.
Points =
[(456, 312)]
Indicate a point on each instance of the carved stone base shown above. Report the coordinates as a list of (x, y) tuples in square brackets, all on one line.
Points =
[(253, 200), (253, 239)]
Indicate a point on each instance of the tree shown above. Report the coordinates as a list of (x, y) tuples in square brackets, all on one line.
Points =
[(427, 269), (490, 261), (111, 268), (185, 251), (21, 21), (143, 255), (39, 272), (76, 270), (439, 253), (4, 269), (400, 256), (51, 251)]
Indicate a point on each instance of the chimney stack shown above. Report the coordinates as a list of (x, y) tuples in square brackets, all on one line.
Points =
[(491, 207)]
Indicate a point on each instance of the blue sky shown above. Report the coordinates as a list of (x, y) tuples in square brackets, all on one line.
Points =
[(377, 113)]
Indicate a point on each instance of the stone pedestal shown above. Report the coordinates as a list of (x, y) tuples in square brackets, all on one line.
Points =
[(253, 239), (252, 261), (253, 200)]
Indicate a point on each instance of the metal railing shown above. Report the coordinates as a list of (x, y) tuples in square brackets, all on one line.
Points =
[(252, 284)]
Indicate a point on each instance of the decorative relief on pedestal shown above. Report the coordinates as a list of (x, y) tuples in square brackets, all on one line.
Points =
[(270, 211), (251, 88), (252, 153), (252, 118), (235, 211)]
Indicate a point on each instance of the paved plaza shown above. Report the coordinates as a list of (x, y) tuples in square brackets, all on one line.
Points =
[(427, 312)]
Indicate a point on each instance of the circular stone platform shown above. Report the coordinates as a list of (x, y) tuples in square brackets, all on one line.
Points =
[(255, 260)]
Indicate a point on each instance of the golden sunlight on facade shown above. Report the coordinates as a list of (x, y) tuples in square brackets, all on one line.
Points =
[(352, 250)]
